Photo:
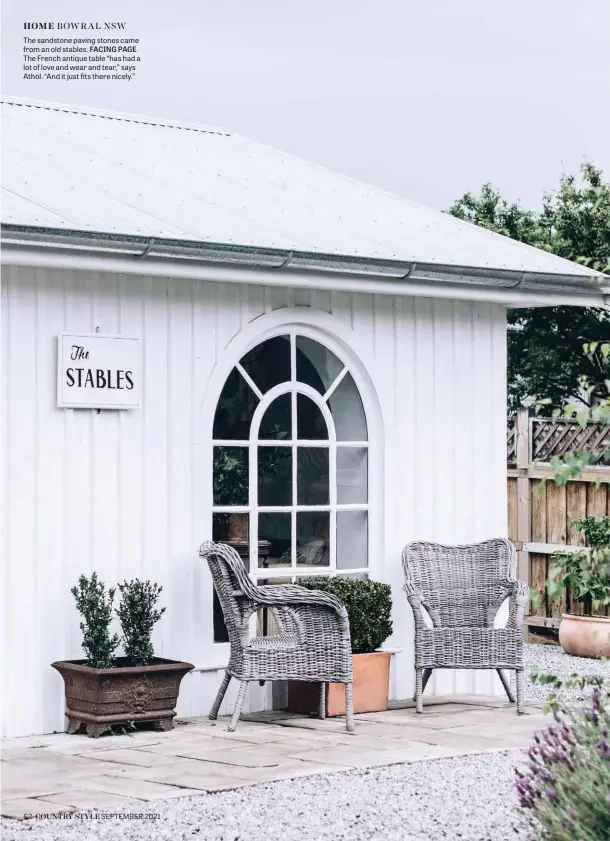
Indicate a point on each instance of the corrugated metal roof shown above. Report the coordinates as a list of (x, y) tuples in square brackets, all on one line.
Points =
[(73, 168)]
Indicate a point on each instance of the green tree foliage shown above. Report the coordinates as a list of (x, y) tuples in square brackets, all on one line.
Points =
[(545, 345)]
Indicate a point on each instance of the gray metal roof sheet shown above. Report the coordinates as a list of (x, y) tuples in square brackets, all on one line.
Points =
[(73, 168)]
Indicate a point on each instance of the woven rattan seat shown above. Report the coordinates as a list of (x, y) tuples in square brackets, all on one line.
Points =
[(461, 588), (313, 643)]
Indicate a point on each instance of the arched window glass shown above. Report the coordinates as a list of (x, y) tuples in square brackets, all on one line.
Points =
[(290, 483)]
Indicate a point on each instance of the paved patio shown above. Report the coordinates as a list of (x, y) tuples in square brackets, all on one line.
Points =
[(60, 773)]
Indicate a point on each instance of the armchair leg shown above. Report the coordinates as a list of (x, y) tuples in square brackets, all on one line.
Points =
[(419, 690), (520, 691), (219, 697), (241, 696), (322, 700), (349, 708), (506, 685), (425, 679)]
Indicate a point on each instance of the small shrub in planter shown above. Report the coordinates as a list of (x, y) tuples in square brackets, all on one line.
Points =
[(586, 574), (95, 605), (138, 615), (369, 608), (104, 692), (566, 786)]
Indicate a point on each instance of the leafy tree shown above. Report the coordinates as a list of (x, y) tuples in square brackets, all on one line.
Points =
[(545, 345)]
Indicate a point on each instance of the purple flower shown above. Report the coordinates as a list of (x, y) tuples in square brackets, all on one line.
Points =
[(603, 748), (551, 794)]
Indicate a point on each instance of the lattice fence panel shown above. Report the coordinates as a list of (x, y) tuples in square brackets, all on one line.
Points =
[(551, 439)]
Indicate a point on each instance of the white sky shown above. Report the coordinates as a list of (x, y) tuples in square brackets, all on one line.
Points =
[(425, 99)]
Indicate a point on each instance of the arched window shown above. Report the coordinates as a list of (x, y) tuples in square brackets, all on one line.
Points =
[(291, 463)]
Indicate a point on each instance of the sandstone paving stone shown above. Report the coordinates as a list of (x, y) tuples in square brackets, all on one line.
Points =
[(84, 799), (18, 807), (192, 774), (65, 743), (291, 769), (182, 770), (142, 789), (248, 758), (453, 739), (132, 756), (51, 762), (33, 787), (174, 746), (355, 757)]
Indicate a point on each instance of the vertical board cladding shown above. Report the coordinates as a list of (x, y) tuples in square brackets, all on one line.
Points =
[(128, 493)]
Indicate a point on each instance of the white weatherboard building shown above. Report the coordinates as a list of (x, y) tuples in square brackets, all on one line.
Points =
[(340, 349)]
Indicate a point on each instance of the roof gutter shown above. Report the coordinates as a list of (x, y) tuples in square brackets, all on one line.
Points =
[(106, 252)]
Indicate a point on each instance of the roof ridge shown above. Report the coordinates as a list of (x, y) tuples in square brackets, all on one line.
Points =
[(110, 115)]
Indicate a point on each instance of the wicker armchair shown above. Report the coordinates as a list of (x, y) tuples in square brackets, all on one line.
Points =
[(462, 588), (313, 643)]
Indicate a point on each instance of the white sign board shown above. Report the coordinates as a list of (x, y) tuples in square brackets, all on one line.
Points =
[(98, 372)]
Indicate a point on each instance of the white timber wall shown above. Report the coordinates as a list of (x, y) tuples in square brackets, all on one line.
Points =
[(127, 493)]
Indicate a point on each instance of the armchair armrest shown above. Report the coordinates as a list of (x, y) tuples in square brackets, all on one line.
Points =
[(519, 591), (415, 600), (292, 594), (315, 616)]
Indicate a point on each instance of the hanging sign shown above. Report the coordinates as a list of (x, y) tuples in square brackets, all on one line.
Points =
[(98, 372)]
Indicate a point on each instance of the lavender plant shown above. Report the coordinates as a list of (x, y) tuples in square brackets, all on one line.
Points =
[(566, 785)]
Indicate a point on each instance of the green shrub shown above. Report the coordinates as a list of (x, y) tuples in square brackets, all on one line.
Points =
[(595, 529), (369, 608), (95, 606), (585, 572), (138, 615), (567, 783)]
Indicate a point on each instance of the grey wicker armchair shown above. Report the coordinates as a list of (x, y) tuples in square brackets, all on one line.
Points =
[(462, 588), (313, 643)]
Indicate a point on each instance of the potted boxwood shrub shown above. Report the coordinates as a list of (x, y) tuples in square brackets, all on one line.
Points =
[(103, 691), (369, 607), (586, 574)]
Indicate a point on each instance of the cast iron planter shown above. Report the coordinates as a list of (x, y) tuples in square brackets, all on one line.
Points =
[(99, 698)]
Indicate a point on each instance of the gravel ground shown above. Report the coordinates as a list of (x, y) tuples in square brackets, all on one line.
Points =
[(552, 659), (466, 798)]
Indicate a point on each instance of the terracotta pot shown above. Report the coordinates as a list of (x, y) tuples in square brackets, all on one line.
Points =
[(238, 527), (585, 636), (371, 688), (99, 698)]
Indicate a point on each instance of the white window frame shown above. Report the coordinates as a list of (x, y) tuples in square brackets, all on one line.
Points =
[(252, 443)]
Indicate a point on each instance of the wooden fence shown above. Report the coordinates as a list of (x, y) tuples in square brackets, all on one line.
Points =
[(541, 513)]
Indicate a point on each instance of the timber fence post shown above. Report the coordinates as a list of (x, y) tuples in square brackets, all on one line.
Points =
[(523, 450)]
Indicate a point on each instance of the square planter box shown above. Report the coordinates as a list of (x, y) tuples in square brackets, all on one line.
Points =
[(371, 688), (99, 698)]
